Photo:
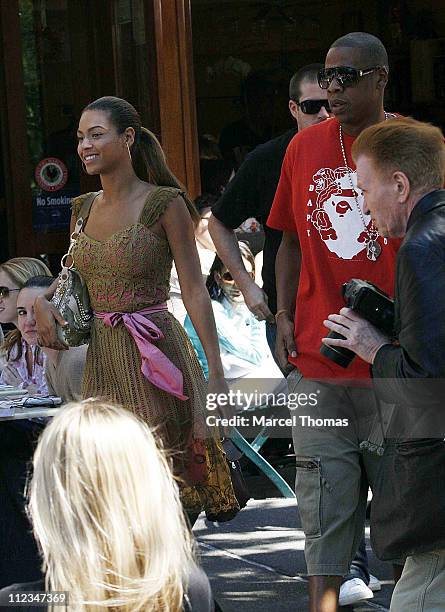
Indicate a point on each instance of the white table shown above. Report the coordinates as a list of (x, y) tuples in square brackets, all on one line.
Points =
[(31, 413)]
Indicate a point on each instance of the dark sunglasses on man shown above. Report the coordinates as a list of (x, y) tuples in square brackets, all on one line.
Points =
[(312, 107), (5, 291), (346, 76)]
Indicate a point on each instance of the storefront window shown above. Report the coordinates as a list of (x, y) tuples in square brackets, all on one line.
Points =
[(50, 120), (32, 83), (134, 71)]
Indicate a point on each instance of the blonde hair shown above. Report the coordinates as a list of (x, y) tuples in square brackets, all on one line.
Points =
[(106, 512), (415, 148), (20, 270)]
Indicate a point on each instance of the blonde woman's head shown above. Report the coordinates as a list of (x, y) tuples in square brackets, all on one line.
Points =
[(13, 275), (106, 512)]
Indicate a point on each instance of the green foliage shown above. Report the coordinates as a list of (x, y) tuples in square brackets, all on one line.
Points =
[(32, 83)]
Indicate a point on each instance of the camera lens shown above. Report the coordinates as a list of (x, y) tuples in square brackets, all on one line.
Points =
[(338, 354)]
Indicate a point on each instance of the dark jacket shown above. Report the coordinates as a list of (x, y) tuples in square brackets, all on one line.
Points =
[(197, 599), (412, 374), (19, 557)]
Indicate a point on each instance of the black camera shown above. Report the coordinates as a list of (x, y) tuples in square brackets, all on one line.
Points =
[(369, 302)]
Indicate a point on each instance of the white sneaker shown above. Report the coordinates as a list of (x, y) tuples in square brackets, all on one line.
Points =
[(374, 583), (352, 591)]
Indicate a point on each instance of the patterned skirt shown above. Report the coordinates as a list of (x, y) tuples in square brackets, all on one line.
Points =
[(113, 372)]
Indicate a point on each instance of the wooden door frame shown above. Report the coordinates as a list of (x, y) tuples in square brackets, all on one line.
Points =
[(23, 240), (170, 26), (176, 89), (15, 154)]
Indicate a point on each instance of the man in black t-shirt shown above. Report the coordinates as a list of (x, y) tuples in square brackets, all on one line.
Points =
[(251, 193)]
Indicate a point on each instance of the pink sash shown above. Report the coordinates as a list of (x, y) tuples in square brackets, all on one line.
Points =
[(156, 367)]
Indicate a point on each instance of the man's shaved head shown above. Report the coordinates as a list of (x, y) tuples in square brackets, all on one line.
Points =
[(373, 52)]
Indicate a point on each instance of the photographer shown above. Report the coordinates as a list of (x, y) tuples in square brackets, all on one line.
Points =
[(401, 171)]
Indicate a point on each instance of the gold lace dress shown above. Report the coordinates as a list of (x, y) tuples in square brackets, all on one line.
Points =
[(127, 273)]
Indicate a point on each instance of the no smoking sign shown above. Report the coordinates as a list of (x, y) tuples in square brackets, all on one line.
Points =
[(51, 174)]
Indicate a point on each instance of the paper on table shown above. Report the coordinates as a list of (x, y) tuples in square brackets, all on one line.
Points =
[(12, 406), (6, 409), (39, 401), (8, 392)]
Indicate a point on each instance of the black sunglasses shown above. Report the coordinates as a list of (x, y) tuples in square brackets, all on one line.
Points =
[(227, 277), (312, 107), (345, 75), (5, 291)]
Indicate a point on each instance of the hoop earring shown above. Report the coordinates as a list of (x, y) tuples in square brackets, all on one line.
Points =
[(129, 153)]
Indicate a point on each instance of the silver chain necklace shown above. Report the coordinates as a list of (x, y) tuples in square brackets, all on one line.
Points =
[(373, 248)]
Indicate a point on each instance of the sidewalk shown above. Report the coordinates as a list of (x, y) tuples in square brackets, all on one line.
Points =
[(256, 562)]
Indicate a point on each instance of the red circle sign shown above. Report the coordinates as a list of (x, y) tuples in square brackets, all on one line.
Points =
[(51, 174)]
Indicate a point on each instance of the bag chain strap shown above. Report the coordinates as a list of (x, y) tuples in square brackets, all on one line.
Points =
[(75, 235)]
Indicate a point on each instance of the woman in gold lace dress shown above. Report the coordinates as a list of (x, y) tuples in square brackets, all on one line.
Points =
[(139, 355)]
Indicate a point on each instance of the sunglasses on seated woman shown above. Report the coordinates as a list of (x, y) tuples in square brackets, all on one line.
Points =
[(228, 278), (5, 291), (345, 75), (312, 107)]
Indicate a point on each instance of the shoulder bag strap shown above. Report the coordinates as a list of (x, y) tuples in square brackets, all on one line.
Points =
[(85, 210), (83, 214)]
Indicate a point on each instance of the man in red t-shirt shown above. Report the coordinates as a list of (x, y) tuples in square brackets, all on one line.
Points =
[(328, 240)]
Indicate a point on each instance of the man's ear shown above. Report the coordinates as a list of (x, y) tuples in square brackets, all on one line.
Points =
[(382, 79), (402, 185), (293, 109)]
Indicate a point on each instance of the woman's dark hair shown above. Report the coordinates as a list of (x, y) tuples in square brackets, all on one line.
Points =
[(218, 266), (205, 201), (13, 339), (38, 281), (148, 158)]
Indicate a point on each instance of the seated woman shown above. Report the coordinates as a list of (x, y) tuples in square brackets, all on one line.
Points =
[(25, 361), (18, 553), (107, 515), (242, 339), (22, 363), (40, 371), (63, 370)]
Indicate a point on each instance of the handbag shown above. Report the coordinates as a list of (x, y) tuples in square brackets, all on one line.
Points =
[(408, 504), (71, 295), (233, 455)]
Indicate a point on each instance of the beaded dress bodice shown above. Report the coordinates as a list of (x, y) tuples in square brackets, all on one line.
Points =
[(131, 269)]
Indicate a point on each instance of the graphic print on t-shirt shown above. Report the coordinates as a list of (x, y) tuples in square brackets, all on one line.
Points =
[(336, 217)]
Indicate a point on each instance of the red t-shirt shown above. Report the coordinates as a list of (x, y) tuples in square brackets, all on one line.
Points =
[(314, 199)]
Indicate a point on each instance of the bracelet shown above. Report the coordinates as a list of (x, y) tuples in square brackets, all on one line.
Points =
[(280, 312)]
